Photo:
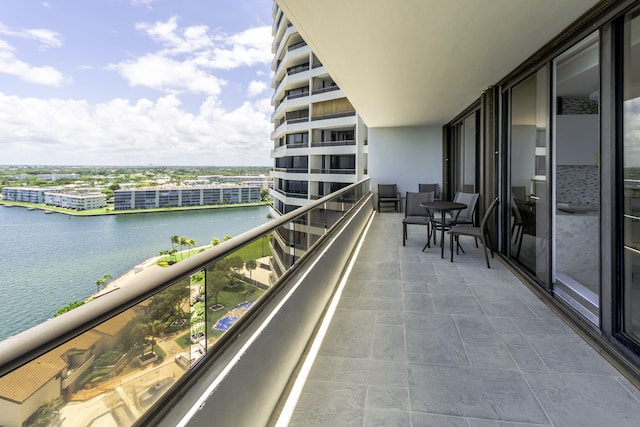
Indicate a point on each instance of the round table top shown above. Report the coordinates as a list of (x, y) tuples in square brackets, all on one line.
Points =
[(442, 205)]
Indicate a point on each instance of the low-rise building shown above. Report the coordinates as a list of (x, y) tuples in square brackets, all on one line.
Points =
[(77, 201), (172, 197), (26, 194)]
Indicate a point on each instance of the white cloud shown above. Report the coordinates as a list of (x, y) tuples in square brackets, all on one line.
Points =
[(47, 38), (187, 57), (44, 75), (142, 132), (247, 48), (12, 65), (167, 75), (256, 88)]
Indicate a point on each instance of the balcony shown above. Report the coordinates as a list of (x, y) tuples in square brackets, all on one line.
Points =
[(333, 143), (334, 116), (334, 171), (403, 337)]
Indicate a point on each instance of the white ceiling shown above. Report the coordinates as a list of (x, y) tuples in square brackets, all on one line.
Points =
[(421, 62)]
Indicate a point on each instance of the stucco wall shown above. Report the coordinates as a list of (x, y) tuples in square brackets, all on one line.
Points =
[(405, 156)]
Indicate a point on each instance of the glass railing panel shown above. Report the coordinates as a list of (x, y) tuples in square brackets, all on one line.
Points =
[(118, 371)]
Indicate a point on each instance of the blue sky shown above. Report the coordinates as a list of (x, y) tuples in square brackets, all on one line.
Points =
[(135, 82)]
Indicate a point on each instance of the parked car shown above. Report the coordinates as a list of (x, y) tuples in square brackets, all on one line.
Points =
[(152, 394)]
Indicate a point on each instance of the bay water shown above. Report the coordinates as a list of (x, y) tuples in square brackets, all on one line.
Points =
[(50, 260)]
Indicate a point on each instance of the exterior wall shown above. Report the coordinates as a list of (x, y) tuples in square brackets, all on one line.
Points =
[(25, 194), (14, 414), (161, 197), (75, 201), (10, 413), (405, 156), (308, 103)]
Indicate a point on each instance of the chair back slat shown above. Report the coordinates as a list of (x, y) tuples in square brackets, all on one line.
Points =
[(387, 190), (471, 200), (413, 201)]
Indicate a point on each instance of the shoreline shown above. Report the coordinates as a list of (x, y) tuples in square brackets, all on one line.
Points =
[(123, 279), (54, 209)]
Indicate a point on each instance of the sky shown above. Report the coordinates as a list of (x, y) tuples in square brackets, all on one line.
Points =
[(135, 82)]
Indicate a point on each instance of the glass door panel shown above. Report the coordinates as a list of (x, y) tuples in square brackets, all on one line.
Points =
[(631, 173), (529, 231), (576, 178)]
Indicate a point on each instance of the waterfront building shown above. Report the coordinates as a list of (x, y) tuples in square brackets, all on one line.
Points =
[(75, 200), (26, 194), (171, 197)]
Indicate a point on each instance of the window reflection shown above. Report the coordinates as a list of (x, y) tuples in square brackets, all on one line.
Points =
[(631, 154), (528, 148)]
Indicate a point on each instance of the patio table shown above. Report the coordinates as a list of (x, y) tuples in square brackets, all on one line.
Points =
[(443, 207)]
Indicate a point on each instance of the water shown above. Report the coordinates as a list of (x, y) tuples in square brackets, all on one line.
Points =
[(48, 261)]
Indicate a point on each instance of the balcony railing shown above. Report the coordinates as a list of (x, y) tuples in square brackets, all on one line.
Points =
[(333, 143), (325, 89), (334, 116), (297, 46), (297, 69), (291, 170), (291, 194), (335, 171), (190, 340)]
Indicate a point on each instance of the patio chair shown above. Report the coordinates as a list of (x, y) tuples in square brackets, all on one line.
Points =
[(388, 193), (417, 215), (425, 188), (463, 216), (480, 232)]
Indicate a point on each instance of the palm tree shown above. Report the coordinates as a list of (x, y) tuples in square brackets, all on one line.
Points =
[(175, 241), (153, 328), (190, 243), (251, 265), (183, 240), (102, 282)]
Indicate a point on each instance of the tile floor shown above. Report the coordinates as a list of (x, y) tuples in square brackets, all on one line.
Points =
[(420, 341)]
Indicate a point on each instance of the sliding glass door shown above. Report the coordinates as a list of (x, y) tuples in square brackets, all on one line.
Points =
[(528, 199), (630, 294), (576, 178)]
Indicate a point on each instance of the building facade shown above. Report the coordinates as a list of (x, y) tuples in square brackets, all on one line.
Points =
[(76, 201), (320, 142), (172, 197), (319, 139), (25, 194)]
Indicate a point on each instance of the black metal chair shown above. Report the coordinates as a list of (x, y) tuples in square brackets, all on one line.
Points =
[(463, 216), (414, 214), (425, 188), (388, 193), (480, 232)]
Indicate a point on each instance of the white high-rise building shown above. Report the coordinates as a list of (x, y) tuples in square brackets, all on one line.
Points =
[(320, 142)]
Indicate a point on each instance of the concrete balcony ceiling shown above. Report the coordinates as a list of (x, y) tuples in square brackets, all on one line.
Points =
[(421, 62)]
